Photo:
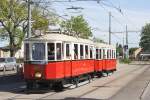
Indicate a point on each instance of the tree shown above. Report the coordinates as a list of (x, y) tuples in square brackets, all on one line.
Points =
[(145, 38), (119, 50), (79, 26), (13, 18), (132, 50)]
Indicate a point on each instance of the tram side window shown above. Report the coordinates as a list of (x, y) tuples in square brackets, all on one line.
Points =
[(113, 54), (51, 51), (75, 51), (62, 55), (27, 52), (81, 51), (91, 52), (58, 50), (97, 54), (104, 56), (100, 54), (86, 52), (107, 54), (67, 51)]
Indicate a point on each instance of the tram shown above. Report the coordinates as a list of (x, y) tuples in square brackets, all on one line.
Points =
[(58, 59)]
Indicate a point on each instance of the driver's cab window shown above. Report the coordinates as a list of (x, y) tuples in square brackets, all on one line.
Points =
[(51, 51)]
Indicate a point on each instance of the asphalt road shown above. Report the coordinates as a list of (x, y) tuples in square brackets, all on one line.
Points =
[(129, 82), (137, 89)]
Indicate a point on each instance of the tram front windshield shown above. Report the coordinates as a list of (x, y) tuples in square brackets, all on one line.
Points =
[(38, 51)]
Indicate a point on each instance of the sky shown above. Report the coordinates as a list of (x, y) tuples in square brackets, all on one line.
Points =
[(135, 14)]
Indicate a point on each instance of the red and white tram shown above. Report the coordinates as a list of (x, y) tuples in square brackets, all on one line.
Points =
[(57, 58)]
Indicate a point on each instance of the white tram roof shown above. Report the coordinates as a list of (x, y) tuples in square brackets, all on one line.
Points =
[(67, 38), (59, 37)]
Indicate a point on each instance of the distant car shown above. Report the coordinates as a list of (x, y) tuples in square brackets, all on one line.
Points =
[(8, 63)]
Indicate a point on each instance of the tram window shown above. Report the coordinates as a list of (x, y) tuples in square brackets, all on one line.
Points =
[(75, 51), (27, 51), (97, 54), (91, 52), (104, 56), (86, 52), (58, 50), (38, 51), (107, 54), (67, 51), (81, 51), (100, 54), (51, 51), (62, 55), (112, 53)]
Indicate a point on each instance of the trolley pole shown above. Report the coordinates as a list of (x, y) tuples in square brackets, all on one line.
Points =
[(109, 27), (29, 19)]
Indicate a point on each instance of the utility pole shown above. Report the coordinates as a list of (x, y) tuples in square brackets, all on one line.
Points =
[(123, 47), (126, 48), (109, 27), (29, 19)]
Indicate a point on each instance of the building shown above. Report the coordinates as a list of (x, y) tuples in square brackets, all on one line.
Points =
[(4, 52)]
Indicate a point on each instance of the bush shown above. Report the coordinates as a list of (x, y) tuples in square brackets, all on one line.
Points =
[(125, 60)]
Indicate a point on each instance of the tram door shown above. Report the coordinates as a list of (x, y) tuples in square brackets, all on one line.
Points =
[(67, 60)]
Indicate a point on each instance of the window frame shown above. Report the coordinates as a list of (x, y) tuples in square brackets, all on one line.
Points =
[(81, 57), (25, 51), (65, 52), (78, 54), (86, 52), (31, 44), (54, 51), (91, 47)]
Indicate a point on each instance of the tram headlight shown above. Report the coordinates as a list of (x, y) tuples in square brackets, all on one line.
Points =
[(38, 75)]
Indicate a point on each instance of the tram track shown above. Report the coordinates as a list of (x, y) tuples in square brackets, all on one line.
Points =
[(103, 85), (113, 80), (145, 88), (19, 96)]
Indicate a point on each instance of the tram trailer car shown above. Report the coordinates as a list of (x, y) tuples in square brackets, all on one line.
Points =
[(57, 59)]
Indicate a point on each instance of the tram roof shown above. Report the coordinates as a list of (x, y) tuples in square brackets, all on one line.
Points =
[(59, 37), (66, 38)]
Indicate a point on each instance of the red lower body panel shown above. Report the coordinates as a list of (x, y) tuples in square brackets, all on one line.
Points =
[(59, 70), (98, 65)]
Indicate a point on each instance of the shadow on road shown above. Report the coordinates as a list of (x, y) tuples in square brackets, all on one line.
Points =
[(15, 83), (11, 78)]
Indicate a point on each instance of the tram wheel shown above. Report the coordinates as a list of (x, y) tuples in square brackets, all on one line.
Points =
[(58, 86), (99, 75), (29, 85), (89, 78), (76, 81)]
